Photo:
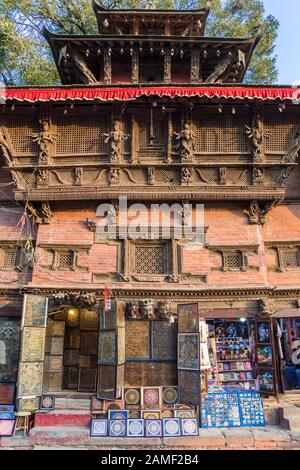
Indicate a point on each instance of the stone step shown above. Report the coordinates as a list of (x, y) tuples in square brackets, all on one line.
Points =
[(65, 403), (292, 424), (64, 418)]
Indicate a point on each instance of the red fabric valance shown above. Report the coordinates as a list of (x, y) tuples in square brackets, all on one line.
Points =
[(130, 93)]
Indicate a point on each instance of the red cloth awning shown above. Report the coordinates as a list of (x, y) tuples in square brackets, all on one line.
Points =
[(130, 93)]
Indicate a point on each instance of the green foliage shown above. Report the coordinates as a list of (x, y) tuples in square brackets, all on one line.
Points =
[(25, 57)]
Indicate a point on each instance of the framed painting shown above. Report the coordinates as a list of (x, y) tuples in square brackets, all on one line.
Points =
[(153, 428), (34, 311), (30, 381), (28, 404), (188, 351), (134, 414), (263, 332), (96, 404), (117, 428), (163, 341), (47, 403), (57, 346), (55, 381), (9, 349), (151, 396), (58, 328), (167, 413), (264, 355), (71, 357), (135, 428), (184, 414), (88, 320), (99, 428), (89, 343), (70, 377), (6, 428), (107, 353), (118, 414), (33, 344), (7, 415), (169, 395), (171, 427), (151, 414), (7, 393), (132, 396), (189, 387), (7, 407), (189, 427), (87, 380), (266, 381), (113, 405), (72, 338), (137, 340), (152, 374), (188, 318)]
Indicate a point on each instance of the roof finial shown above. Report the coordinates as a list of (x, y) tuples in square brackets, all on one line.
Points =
[(151, 5)]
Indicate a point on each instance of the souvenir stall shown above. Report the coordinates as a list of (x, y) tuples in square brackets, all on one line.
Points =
[(288, 337)]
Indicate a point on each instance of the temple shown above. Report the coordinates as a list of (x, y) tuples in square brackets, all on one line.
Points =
[(153, 116)]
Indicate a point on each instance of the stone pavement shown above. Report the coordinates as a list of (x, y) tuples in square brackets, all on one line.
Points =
[(268, 438)]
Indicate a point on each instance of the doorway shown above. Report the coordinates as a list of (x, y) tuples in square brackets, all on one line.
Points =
[(289, 353), (71, 351)]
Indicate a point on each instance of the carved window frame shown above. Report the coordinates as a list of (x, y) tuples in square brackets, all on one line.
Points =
[(59, 250), (234, 251), (282, 248), (8, 247)]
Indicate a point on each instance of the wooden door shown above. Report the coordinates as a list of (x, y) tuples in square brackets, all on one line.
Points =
[(267, 373)]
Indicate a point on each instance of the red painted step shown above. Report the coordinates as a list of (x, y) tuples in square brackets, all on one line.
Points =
[(63, 418)]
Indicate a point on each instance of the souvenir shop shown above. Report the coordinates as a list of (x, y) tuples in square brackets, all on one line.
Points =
[(149, 369)]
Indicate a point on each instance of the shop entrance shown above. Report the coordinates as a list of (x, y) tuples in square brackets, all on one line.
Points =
[(288, 335), (71, 351)]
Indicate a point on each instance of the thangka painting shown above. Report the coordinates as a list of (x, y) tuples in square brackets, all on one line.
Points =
[(188, 351), (30, 379), (9, 349), (33, 344), (34, 311)]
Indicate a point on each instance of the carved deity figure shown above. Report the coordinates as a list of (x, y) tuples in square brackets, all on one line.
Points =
[(42, 177), (267, 307), (116, 137), (186, 175), (5, 150), (114, 176), (46, 213), (258, 175), (186, 145), (147, 307), (151, 177), (44, 139), (133, 310), (256, 135), (257, 215), (112, 214), (222, 175), (165, 310), (293, 150)]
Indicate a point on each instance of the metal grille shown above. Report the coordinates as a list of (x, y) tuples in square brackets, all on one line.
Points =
[(20, 129), (81, 135), (280, 128), (150, 260), (65, 260), (290, 258), (220, 134), (234, 261), (9, 258)]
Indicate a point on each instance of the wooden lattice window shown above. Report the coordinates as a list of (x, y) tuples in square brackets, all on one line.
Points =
[(291, 258), (148, 258), (233, 261), (8, 258), (82, 135), (65, 260), (222, 133), (21, 127), (280, 129)]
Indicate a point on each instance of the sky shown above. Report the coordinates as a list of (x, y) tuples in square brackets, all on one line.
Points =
[(288, 42)]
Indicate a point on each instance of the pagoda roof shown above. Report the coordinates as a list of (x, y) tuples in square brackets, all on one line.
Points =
[(90, 47), (94, 94), (184, 18)]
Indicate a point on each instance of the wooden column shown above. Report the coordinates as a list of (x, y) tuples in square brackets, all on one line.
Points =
[(167, 66), (135, 66), (195, 65), (107, 67), (134, 139), (169, 138)]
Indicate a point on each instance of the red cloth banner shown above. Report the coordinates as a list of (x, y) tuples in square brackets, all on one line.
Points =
[(89, 93)]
